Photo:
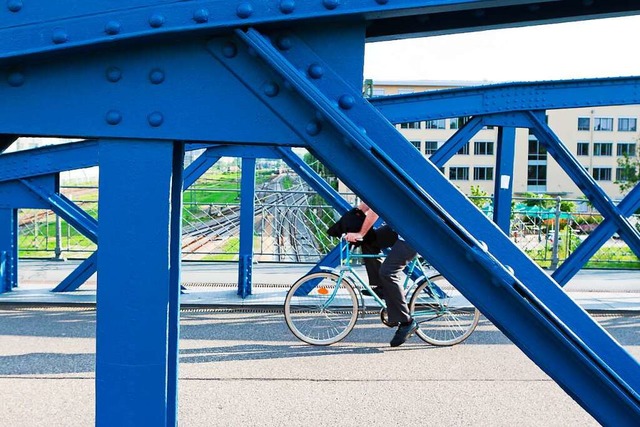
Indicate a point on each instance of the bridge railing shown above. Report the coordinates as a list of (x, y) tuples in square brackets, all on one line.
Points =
[(290, 226)]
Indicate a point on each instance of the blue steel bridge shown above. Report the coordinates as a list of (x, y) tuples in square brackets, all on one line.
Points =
[(139, 83)]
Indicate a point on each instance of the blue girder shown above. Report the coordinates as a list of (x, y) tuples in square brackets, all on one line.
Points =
[(331, 117), (141, 78)]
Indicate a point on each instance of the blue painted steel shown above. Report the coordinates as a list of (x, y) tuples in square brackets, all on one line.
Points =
[(547, 325), (14, 194), (502, 193), (583, 253), (456, 142), (247, 213), (65, 25), (175, 259), (9, 249), (79, 219), (79, 275), (584, 181), (508, 97), (48, 160), (136, 342)]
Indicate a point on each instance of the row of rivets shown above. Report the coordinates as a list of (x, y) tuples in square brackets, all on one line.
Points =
[(114, 74), (114, 117)]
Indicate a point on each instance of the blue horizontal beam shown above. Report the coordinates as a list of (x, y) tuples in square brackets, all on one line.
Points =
[(366, 153), (506, 97), (48, 160), (43, 26)]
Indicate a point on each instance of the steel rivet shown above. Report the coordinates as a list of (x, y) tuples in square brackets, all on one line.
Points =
[(315, 71), (112, 28), (201, 16), (284, 43), (14, 5), (229, 50), (155, 119), (156, 20), (346, 102), (113, 117), (382, 1), (330, 4), (59, 36), (287, 6), (244, 10), (15, 78), (271, 89), (114, 74), (156, 76), (313, 128)]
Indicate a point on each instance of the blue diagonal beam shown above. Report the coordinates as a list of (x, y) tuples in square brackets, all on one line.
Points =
[(596, 195), (48, 160), (507, 97), (456, 142), (197, 168), (539, 312), (65, 208), (595, 240), (51, 27), (79, 275)]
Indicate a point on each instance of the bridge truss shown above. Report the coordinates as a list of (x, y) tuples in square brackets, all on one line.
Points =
[(142, 83)]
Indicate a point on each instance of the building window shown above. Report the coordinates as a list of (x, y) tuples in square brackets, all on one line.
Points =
[(622, 174), (483, 173), (464, 149), (377, 92), (583, 149), (416, 144), (410, 125), (459, 173), (483, 148), (430, 147), (603, 124), (436, 124), (583, 123), (602, 174), (537, 176), (602, 148), (626, 149), (458, 122), (537, 151), (627, 124), (488, 127)]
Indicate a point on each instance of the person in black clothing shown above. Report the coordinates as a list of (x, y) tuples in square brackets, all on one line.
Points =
[(387, 275)]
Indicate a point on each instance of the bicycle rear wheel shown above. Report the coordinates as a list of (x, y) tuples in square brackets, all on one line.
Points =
[(444, 316), (321, 308)]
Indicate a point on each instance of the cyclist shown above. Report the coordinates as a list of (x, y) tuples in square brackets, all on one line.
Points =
[(387, 275)]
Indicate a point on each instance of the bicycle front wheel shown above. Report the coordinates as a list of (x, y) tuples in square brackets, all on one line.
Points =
[(321, 308), (444, 316)]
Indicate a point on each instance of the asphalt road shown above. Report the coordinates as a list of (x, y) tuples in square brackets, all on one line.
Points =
[(246, 369)]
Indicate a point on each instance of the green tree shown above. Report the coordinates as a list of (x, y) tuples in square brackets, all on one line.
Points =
[(479, 197), (630, 173)]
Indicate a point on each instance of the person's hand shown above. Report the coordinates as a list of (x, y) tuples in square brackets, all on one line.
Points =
[(353, 237)]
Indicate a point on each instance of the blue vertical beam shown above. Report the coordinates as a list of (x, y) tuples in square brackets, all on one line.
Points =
[(175, 259), (8, 248), (137, 289), (247, 210), (502, 193)]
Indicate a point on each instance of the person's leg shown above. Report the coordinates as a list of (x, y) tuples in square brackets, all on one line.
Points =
[(384, 237), (391, 280)]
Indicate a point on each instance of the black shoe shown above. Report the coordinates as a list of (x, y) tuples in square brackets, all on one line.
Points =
[(376, 289), (403, 333)]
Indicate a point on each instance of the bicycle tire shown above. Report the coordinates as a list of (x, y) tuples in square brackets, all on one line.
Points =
[(443, 320), (316, 318)]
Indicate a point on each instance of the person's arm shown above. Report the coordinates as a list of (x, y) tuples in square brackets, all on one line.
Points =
[(370, 219)]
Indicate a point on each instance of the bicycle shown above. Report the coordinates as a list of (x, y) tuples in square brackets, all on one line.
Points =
[(322, 308)]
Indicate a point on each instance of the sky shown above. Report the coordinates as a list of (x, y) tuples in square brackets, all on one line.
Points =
[(575, 50)]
